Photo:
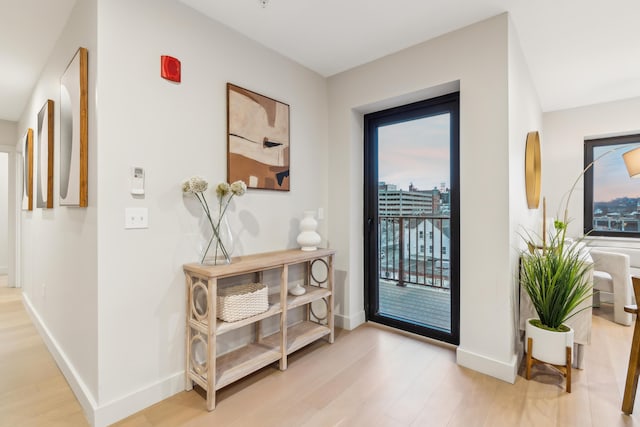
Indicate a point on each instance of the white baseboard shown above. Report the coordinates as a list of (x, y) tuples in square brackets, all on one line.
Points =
[(84, 396), (349, 322), (486, 365), (4, 269), (124, 406), (109, 413)]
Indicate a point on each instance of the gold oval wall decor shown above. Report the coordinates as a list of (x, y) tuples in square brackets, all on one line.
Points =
[(533, 169)]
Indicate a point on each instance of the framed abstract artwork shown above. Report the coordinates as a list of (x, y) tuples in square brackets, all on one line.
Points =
[(27, 171), (44, 198), (74, 132), (258, 140)]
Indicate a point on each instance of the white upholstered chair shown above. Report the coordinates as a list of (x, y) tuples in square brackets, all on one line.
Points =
[(612, 274)]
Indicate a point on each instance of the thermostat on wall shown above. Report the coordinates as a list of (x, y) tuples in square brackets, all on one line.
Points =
[(137, 180)]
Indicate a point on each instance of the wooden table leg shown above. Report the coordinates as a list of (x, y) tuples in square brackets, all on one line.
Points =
[(631, 383), (632, 372), (529, 357), (188, 383), (212, 287), (569, 369)]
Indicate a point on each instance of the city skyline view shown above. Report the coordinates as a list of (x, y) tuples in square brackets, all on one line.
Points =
[(610, 177), (415, 152)]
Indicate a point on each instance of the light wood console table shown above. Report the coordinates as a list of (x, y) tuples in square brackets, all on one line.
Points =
[(212, 372)]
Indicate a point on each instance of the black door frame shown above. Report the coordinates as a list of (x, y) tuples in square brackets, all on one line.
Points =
[(449, 103)]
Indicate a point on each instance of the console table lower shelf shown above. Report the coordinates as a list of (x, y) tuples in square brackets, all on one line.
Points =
[(203, 329)]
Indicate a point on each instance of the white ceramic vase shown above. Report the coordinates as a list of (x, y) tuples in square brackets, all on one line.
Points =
[(549, 346), (297, 290), (308, 239)]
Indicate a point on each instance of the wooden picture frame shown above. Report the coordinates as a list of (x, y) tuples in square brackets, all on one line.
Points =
[(44, 197), (258, 146), (533, 169), (74, 132), (27, 171)]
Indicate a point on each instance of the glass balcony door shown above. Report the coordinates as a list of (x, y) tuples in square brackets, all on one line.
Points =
[(411, 217)]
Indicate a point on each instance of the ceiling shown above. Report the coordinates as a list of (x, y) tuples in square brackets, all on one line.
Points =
[(29, 30), (579, 52)]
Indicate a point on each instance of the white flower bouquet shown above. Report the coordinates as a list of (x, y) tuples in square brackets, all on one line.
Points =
[(225, 192)]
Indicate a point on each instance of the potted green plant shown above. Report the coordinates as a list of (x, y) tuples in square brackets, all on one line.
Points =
[(556, 278)]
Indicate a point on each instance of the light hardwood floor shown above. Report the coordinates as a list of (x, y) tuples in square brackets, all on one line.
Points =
[(33, 392), (369, 377)]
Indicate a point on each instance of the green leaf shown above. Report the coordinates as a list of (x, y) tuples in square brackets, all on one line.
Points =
[(556, 280)]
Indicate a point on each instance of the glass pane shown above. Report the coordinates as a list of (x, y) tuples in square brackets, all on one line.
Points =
[(414, 225), (616, 197)]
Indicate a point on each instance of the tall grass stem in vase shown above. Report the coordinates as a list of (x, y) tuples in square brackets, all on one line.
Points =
[(556, 275), (221, 233)]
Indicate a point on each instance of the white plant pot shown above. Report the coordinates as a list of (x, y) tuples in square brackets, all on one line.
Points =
[(549, 346)]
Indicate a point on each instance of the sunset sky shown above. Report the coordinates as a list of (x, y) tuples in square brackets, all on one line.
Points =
[(415, 152), (611, 179)]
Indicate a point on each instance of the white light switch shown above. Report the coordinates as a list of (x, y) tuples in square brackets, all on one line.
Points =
[(136, 218)]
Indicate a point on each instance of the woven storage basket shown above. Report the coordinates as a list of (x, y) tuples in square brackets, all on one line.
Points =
[(239, 302)]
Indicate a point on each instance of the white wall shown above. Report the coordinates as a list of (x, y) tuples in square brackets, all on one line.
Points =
[(114, 300), (563, 148), (525, 115), (8, 134), (4, 213), (59, 245), (8, 199), (176, 131), (476, 56)]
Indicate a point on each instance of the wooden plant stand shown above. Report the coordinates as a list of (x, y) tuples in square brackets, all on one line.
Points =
[(565, 370), (212, 371)]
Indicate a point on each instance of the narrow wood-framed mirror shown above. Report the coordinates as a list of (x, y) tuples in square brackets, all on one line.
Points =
[(533, 169)]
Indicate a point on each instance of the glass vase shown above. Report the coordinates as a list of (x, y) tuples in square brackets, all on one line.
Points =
[(218, 244)]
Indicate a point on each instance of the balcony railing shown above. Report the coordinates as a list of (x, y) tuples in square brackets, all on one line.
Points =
[(616, 223), (415, 250)]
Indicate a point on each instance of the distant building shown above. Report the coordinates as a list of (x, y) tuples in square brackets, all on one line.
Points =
[(414, 234), (419, 254), (617, 215), (395, 202), (428, 239)]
